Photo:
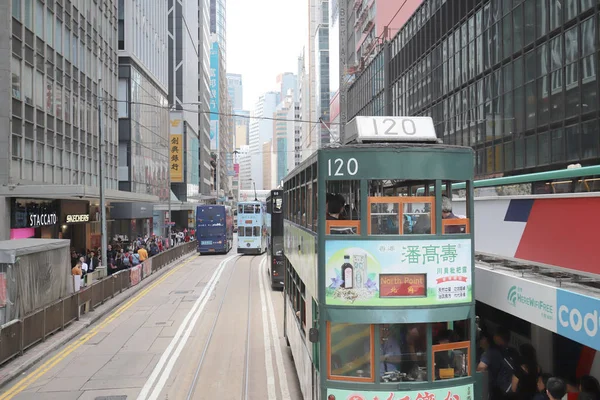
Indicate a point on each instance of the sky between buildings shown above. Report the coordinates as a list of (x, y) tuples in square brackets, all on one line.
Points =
[(264, 39)]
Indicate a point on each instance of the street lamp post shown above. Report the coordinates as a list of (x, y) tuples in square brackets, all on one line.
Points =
[(103, 238)]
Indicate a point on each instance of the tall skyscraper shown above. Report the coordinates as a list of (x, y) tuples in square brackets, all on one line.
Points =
[(143, 114), (236, 91), (184, 68), (287, 82), (321, 71), (218, 11), (245, 168), (49, 129), (204, 96), (261, 131)]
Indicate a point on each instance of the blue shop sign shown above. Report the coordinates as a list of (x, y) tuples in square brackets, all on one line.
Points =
[(577, 318)]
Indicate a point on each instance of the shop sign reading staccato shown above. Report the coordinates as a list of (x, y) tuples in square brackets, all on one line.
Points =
[(77, 218), (36, 220), (398, 273), (464, 392)]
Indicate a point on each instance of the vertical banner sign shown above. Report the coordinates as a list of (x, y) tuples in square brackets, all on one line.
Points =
[(214, 96), (176, 147)]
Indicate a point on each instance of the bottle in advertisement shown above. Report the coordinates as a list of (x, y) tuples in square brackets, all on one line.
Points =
[(347, 273), (360, 270)]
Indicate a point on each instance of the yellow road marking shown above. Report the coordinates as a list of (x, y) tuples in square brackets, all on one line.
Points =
[(48, 365)]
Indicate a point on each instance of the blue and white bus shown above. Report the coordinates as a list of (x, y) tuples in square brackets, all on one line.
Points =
[(214, 229), (252, 227)]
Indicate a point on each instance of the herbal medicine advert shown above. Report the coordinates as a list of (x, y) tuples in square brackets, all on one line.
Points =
[(398, 273)]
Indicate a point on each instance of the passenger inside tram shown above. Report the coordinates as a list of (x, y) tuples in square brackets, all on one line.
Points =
[(403, 349)]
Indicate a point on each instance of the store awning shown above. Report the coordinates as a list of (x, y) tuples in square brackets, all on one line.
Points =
[(72, 192), (564, 304)]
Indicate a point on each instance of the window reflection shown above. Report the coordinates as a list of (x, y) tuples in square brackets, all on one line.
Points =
[(403, 352), (451, 351), (350, 351)]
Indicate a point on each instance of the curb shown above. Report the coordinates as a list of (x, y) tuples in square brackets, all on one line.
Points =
[(99, 313)]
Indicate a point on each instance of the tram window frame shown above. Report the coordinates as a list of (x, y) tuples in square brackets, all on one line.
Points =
[(461, 224), (296, 293), (330, 375), (450, 333), (401, 202)]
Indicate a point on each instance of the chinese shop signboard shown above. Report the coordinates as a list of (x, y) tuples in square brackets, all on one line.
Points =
[(398, 273), (464, 392), (176, 147)]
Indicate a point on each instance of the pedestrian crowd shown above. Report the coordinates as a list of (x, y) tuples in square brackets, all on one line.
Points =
[(516, 374), (123, 255)]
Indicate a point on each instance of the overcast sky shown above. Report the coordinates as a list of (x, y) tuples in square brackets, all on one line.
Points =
[(264, 39)]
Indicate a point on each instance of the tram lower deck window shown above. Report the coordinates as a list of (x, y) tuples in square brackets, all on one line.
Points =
[(400, 351)]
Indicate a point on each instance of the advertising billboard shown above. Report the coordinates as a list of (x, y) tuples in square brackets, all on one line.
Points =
[(397, 273), (214, 96)]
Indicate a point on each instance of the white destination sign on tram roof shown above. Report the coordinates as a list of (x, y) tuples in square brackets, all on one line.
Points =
[(390, 129)]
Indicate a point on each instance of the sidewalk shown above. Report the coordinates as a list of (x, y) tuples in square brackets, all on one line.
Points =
[(32, 356)]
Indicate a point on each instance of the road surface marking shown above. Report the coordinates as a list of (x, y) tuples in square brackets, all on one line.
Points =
[(266, 338), (186, 325), (285, 392), (52, 362)]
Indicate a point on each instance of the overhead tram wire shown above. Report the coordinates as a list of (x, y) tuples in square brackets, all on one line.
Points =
[(170, 108)]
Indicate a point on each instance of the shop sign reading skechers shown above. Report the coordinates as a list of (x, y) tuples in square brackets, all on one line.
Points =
[(578, 318), (77, 218)]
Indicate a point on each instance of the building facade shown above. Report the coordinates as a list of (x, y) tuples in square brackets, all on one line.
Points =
[(235, 88), (245, 177), (267, 165), (218, 12), (53, 58), (183, 98), (204, 97), (321, 72), (143, 113), (516, 81), (261, 131)]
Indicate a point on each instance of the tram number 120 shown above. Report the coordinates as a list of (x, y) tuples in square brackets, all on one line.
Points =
[(340, 167)]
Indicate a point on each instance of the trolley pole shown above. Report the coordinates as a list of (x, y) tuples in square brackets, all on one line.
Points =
[(103, 238)]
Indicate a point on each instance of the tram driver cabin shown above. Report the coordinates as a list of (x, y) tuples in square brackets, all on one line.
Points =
[(382, 293)]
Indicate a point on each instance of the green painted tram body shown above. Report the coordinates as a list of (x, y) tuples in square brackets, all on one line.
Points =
[(308, 300)]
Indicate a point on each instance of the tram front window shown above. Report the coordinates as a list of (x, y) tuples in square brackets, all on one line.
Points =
[(403, 352), (350, 349)]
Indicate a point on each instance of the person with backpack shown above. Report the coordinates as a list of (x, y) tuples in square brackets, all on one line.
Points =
[(501, 362)]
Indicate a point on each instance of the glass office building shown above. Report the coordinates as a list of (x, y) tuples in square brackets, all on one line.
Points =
[(516, 80)]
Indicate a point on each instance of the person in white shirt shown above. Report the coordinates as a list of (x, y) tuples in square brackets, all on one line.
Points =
[(84, 266)]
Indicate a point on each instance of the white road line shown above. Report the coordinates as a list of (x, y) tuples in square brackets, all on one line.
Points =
[(285, 392), (167, 372), (167, 353), (266, 337)]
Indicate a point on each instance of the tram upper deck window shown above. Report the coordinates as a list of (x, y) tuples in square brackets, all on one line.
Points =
[(343, 205), (395, 208), (350, 352), (248, 209)]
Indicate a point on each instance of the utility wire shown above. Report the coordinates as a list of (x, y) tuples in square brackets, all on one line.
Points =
[(171, 108)]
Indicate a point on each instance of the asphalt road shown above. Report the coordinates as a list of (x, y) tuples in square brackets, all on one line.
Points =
[(212, 329)]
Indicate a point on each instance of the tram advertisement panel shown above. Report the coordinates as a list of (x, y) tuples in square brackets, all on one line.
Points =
[(464, 392), (398, 273)]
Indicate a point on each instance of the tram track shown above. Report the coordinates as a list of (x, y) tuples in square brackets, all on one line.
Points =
[(246, 369)]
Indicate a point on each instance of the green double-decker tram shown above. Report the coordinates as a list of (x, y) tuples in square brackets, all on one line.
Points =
[(379, 300)]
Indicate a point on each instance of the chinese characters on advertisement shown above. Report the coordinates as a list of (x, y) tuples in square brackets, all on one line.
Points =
[(398, 273)]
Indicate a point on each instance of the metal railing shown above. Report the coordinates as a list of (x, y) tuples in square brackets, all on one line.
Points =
[(18, 335)]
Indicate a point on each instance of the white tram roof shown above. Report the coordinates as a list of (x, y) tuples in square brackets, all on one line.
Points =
[(390, 129)]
